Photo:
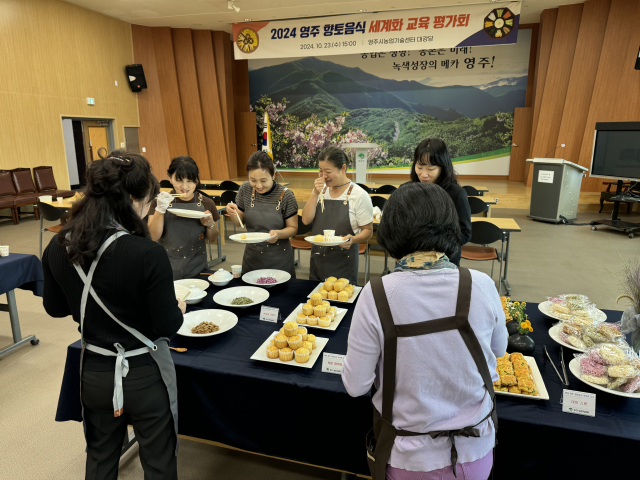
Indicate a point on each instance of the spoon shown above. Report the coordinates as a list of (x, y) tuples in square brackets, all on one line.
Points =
[(179, 350)]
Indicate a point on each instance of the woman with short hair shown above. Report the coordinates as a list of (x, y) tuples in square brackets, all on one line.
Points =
[(426, 337), (432, 164), (105, 271)]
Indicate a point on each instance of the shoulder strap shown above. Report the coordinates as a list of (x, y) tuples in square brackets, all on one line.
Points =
[(390, 348)]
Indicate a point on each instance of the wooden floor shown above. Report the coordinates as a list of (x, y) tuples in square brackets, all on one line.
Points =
[(509, 194)]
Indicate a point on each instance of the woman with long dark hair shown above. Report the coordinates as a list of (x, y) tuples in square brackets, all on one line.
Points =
[(105, 271), (184, 238), (346, 208), (432, 164), (267, 207)]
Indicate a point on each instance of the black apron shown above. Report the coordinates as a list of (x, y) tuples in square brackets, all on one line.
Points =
[(334, 261), (159, 349), (381, 438), (263, 217), (184, 239)]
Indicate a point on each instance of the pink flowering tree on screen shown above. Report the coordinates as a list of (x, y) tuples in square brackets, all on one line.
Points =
[(296, 143)]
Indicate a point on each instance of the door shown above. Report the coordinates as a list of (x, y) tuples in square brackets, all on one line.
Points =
[(98, 140), (246, 138), (520, 143)]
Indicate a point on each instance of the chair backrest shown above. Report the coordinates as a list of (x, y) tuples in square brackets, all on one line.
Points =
[(471, 191), (229, 185), (23, 181), (386, 189), (378, 202), (165, 184), (210, 186), (49, 212), (302, 228), (477, 205), (364, 187), (44, 179), (484, 233), (6, 184), (228, 196)]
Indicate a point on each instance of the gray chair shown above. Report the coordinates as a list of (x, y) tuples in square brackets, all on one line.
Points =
[(385, 189), (229, 185), (478, 206), (51, 214), (471, 191)]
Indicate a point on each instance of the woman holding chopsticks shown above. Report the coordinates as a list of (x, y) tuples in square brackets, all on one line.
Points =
[(184, 238), (263, 205), (337, 204)]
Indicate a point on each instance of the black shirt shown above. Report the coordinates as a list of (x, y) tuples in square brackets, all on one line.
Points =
[(461, 201), (133, 279)]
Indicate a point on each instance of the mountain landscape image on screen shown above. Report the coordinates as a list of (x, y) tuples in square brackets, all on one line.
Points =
[(313, 102)]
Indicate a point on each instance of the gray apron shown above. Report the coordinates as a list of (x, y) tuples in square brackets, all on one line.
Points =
[(264, 217), (334, 261), (184, 239), (159, 350)]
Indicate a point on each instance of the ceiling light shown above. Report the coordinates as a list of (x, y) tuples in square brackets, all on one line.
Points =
[(247, 19), (233, 6), (362, 10)]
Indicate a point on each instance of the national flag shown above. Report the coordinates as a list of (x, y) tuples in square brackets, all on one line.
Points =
[(266, 136)]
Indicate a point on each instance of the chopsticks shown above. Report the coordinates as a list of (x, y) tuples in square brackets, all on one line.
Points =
[(322, 198), (564, 370), (554, 367), (239, 220)]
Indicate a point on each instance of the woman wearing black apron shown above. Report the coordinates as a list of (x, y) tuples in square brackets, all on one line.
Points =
[(426, 337), (183, 238), (267, 207), (432, 164), (346, 208), (104, 270)]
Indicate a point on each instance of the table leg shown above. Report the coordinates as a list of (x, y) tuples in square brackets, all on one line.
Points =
[(220, 258), (14, 320), (505, 282)]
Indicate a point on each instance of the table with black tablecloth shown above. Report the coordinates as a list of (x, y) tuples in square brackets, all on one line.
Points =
[(22, 271), (306, 415)]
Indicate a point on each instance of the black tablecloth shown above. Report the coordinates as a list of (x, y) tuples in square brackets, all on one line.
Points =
[(306, 415), (21, 271)]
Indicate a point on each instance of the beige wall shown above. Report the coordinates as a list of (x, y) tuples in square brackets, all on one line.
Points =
[(54, 56)]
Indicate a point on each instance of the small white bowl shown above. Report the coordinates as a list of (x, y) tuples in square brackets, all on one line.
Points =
[(227, 277), (252, 277), (196, 282), (195, 296), (224, 297)]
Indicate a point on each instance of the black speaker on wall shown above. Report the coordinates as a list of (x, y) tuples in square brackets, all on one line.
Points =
[(135, 74), (638, 61)]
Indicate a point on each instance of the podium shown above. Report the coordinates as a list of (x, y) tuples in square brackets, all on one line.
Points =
[(361, 158), (555, 190)]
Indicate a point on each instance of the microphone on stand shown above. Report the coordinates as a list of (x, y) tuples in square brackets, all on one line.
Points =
[(560, 146)]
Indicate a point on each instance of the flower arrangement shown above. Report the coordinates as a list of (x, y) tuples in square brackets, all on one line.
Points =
[(515, 311)]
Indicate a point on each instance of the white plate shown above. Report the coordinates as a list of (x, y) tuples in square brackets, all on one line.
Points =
[(325, 244), (332, 327), (181, 212), (554, 333), (537, 379), (261, 353), (544, 308), (252, 277), (224, 297), (574, 366), (196, 282), (356, 291), (225, 320), (252, 237)]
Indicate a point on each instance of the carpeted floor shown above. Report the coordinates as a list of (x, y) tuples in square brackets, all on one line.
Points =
[(545, 260)]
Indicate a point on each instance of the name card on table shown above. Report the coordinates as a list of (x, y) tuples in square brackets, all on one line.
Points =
[(269, 314), (332, 363), (579, 402)]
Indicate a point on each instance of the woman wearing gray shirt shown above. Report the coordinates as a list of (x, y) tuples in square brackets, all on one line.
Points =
[(443, 373)]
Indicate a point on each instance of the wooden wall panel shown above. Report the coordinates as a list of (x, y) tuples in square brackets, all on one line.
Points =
[(228, 65), (152, 133), (210, 103), (52, 60), (241, 100), (583, 77), (557, 80), (170, 91), (533, 55), (522, 122), (190, 99), (616, 93)]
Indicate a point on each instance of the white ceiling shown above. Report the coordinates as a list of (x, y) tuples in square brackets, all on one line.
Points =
[(214, 14)]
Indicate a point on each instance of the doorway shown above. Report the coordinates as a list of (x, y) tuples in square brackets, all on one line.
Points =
[(84, 140)]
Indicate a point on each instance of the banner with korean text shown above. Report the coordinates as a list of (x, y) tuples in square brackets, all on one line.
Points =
[(432, 28)]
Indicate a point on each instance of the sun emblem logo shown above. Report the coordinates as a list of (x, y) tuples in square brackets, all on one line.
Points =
[(247, 40), (499, 23)]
